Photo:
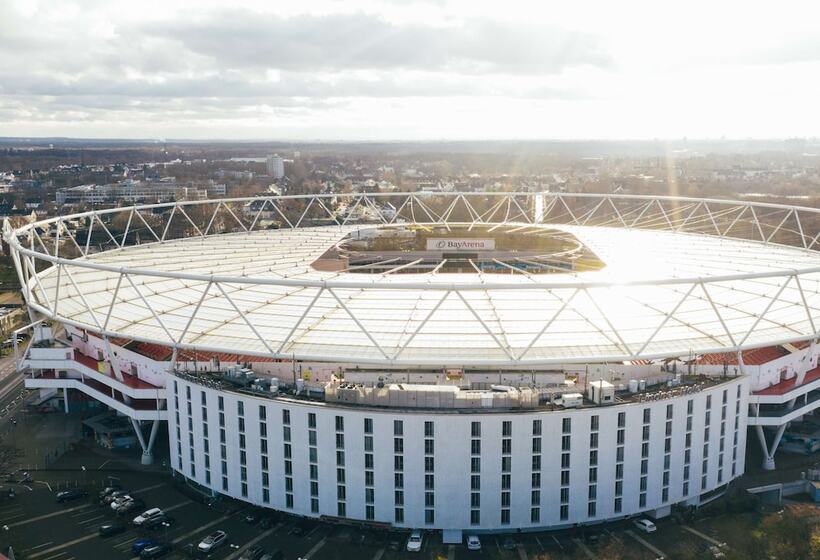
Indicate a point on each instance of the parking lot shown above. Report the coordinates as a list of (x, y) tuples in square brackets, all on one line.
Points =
[(41, 529)]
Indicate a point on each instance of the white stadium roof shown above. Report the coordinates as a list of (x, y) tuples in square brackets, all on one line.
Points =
[(661, 293)]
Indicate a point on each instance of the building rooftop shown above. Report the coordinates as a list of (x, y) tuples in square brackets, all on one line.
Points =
[(646, 302), (447, 398)]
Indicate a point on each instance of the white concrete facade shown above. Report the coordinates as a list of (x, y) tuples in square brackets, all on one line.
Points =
[(530, 502)]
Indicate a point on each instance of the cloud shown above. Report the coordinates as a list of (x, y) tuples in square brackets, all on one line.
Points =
[(341, 42), (444, 67)]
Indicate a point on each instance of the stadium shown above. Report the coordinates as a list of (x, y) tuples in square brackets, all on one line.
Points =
[(463, 362)]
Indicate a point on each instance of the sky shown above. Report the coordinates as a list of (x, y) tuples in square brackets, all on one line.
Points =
[(409, 69)]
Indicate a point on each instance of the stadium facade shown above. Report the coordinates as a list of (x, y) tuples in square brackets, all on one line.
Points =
[(563, 360)]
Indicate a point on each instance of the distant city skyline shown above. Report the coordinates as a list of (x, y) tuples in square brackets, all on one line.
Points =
[(408, 70)]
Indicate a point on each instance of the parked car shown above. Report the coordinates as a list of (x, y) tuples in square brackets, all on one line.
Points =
[(127, 504), (130, 506), (108, 490), (147, 515), (141, 544), (111, 529), (275, 555), (266, 522), (473, 543), (120, 501), (415, 542), (716, 552), (645, 525), (155, 551), (160, 521), (509, 544), (212, 541), (115, 495), (73, 494), (253, 553)]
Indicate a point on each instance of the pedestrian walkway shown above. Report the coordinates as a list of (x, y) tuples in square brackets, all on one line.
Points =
[(704, 536), (585, 549), (647, 545)]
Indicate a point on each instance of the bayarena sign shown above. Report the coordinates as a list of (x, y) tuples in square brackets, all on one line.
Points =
[(439, 244)]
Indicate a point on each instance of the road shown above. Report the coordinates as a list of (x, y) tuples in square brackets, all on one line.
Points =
[(11, 388)]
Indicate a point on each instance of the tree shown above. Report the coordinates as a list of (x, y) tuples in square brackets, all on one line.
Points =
[(787, 535)]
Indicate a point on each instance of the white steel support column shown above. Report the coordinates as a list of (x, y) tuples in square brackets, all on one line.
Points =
[(148, 452), (147, 447), (65, 399)]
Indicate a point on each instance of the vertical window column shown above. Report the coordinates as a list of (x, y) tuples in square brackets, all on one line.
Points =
[(369, 477), (398, 470), (313, 463), (506, 470), (475, 473), (178, 426), (704, 476), (341, 487), (620, 438), (667, 453), (243, 452), (535, 492), (592, 489), (205, 435), (286, 439), (736, 435), (263, 453), (722, 441), (566, 447), (190, 431), (429, 473), (647, 416), (687, 448), (223, 445)]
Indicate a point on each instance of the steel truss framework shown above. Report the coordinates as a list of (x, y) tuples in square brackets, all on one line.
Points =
[(211, 275)]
